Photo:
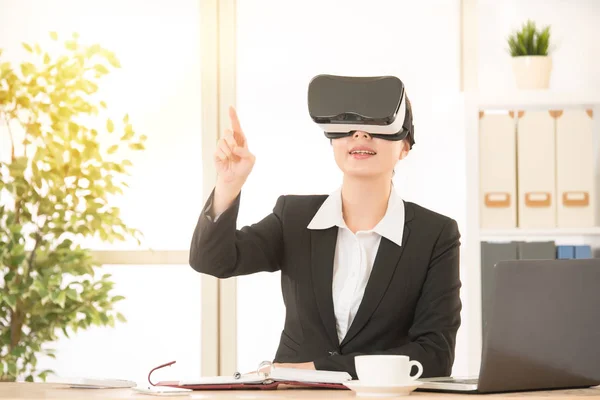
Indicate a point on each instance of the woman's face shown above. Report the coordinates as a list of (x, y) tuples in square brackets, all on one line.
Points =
[(361, 155)]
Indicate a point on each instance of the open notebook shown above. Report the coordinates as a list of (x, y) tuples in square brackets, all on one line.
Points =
[(262, 380)]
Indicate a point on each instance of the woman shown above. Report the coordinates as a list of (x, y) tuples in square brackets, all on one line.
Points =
[(362, 271)]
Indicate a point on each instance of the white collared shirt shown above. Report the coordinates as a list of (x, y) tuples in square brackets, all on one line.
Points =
[(355, 253)]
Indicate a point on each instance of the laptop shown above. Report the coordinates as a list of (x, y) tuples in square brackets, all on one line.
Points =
[(543, 329)]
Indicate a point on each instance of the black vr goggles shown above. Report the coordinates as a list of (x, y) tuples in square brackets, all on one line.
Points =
[(342, 105)]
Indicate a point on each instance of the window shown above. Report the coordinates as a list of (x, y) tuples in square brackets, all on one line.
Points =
[(158, 45)]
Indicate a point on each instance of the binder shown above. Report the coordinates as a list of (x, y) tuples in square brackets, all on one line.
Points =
[(536, 250), (564, 252), (575, 169), (491, 254), (583, 251), (536, 170), (497, 171)]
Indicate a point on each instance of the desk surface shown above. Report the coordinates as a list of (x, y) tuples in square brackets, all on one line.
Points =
[(30, 391)]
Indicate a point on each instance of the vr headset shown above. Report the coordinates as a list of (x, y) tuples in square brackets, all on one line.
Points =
[(342, 105)]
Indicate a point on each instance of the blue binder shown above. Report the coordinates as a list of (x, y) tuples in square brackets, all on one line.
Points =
[(584, 251), (565, 252)]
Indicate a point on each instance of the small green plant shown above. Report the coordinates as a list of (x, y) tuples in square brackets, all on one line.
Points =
[(529, 41), (63, 167)]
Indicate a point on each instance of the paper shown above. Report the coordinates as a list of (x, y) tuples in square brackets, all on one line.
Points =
[(92, 383), (224, 380), (163, 391), (309, 376)]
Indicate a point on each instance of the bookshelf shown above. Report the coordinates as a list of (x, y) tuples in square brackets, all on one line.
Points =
[(565, 236), (471, 249), (563, 232), (526, 100), (537, 99)]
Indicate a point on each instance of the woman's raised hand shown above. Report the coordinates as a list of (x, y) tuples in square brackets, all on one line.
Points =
[(233, 159), (234, 162)]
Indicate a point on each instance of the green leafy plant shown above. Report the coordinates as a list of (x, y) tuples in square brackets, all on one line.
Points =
[(529, 41), (55, 190)]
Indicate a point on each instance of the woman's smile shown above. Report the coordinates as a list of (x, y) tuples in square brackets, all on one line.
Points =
[(362, 152)]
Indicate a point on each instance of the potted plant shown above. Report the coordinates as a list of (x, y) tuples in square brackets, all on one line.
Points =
[(57, 180), (529, 50)]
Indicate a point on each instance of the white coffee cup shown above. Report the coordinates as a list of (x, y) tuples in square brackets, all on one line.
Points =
[(386, 370)]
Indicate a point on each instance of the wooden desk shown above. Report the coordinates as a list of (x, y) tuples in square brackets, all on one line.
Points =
[(29, 391)]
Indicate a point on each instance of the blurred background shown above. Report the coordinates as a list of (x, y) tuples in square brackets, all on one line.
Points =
[(183, 62)]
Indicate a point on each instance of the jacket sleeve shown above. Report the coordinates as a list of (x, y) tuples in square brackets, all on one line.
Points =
[(437, 316), (221, 250)]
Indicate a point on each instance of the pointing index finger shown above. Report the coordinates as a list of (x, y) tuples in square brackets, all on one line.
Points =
[(236, 127)]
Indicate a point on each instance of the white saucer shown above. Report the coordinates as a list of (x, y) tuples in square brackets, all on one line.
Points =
[(382, 391)]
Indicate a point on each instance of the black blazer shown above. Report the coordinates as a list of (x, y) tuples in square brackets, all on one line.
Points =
[(411, 304)]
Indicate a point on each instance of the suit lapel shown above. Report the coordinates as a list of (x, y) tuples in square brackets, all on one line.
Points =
[(322, 251), (386, 263)]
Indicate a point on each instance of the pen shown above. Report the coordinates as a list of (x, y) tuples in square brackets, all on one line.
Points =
[(237, 375)]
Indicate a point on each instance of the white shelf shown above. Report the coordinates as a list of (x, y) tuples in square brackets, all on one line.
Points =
[(537, 99), (494, 234)]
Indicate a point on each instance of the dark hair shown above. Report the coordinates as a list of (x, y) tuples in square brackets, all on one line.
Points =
[(408, 117)]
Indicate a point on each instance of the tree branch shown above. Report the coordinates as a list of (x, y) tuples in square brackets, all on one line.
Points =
[(25, 136), (12, 141), (38, 239), (12, 157), (16, 326)]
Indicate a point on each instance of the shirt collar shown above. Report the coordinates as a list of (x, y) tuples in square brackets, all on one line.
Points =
[(391, 225)]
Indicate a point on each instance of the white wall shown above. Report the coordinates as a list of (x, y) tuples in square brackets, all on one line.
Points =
[(158, 44), (575, 48), (281, 46)]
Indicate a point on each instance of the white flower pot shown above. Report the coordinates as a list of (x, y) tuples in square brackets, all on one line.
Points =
[(532, 72)]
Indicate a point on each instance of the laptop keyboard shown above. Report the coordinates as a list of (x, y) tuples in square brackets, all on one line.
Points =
[(472, 381)]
